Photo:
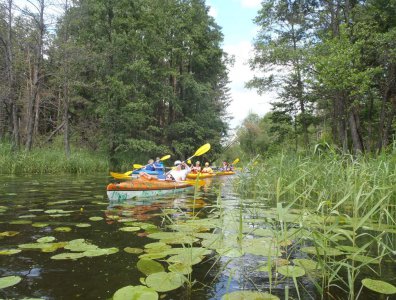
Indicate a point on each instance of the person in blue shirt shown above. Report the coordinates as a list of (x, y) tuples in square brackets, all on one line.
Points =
[(159, 167), (150, 166)]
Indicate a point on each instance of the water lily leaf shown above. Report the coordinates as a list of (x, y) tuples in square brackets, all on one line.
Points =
[(83, 225), (9, 281), (51, 247), (95, 218), (173, 237), (71, 256), (322, 251), (80, 245), (63, 229), (364, 259), (58, 211), (9, 251), (8, 233), (291, 271), (40, 225), (46, 239), (306, 264), (379, 286), (21, 222), (248, 295), (156, 245), (230, 252), (164, 282), (180, 268), (27, 216), (138, 292), (148, 266), (133, 250), (100, 251), (129, 229)]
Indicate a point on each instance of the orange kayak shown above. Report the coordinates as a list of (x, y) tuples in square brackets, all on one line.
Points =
[(144, 188), (201, 175)]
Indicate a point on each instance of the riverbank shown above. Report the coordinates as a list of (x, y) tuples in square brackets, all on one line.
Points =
[(51, 161)]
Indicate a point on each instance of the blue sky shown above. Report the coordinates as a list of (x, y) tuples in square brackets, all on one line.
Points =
[(236, 19)]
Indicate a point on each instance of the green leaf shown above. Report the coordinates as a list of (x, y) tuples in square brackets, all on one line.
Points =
[(248, 295), (148, 266), (9, 281), (379, 286), (291, 271), (164, 282), (138, 292)]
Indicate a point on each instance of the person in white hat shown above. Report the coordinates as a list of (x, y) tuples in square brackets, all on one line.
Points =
[(179, 173)]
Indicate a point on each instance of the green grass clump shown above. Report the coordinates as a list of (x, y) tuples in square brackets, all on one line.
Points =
[(50, 161)]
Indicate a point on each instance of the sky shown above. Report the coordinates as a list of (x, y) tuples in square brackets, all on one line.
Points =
[(236, 19)]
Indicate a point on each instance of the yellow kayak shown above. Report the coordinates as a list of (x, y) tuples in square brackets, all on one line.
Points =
[(201, 175), (224, 173)]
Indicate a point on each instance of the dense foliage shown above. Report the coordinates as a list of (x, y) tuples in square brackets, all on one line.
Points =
[(332, 63), (128, 78)]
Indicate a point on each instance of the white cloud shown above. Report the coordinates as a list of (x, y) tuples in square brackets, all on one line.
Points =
[(212, 11), (244, 100), (251, 3)]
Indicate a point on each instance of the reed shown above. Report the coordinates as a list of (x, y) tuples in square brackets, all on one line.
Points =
[(340, 206), (50, 161)]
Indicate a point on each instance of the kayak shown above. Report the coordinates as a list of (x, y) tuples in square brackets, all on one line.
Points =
[(145, 171), (144, 188), (201, 175), (224, 173)]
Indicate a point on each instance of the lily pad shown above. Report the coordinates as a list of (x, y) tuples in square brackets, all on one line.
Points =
[(148, 266), (80, 245), (379, 286), (9, 251), (40, 225), (46, 239), (95, 218), (364, 259), (129, 229), (306, 264), (100, 251), (9, 281), (180, 268), (291, 271), (71, 256), (164, 282), (63, 229), (322, 251), (138, 292), (83, 225), (21, 222), (8, 233), (248, 295), (133, 250)]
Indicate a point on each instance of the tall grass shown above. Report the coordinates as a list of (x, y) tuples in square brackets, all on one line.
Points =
[(337, 203), (50, 161)]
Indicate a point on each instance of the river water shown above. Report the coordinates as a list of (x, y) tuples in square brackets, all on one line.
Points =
[(67, 207)]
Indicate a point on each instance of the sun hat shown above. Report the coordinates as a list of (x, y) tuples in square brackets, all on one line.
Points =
[(177, 162)]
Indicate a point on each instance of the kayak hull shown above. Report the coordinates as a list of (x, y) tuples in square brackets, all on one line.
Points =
[(144, 188), (201, 175), (225, 173), (136, 172)]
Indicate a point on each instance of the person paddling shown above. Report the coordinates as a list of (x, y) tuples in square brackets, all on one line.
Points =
[(179, 173), (196, 168), (207, 169)]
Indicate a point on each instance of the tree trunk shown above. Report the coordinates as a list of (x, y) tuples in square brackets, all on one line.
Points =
[(36, 82), (355, 132)]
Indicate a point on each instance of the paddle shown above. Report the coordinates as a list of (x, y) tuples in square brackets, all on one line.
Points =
[(125, 175), (202, 150), (235, 161)]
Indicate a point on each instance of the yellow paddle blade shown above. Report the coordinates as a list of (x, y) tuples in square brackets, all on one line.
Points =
[(235, 161), (120, 175), (165, 157), (202, 150), (128, 173), (189, 161), (137, 166)]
